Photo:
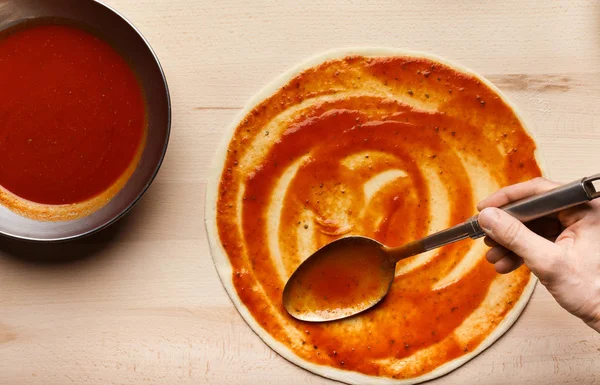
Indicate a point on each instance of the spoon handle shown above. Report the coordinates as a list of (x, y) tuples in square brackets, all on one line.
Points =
[(525, 210), (550, 202)]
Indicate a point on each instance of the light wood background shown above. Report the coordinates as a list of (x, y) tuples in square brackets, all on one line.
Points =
[(141, 303)]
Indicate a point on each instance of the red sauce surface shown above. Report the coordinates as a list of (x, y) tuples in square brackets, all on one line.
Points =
[(325, 200), (72, 114)]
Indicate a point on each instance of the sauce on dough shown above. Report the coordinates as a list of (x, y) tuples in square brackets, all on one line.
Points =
[(72, 114), (304, 162)]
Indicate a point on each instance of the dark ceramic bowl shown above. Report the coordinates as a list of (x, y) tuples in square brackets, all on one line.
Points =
[(125, 38)]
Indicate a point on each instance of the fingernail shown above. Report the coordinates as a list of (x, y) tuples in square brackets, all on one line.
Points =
[(487, 218)]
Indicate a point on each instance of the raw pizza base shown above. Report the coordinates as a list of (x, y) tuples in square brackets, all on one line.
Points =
[(224, 267)]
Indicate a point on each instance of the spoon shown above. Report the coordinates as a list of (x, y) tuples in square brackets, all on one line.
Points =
[(353, 274)]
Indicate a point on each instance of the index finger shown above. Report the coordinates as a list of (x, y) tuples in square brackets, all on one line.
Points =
[(517, 191)]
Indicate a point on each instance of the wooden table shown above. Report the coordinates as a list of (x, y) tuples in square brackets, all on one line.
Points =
[(141, 303)]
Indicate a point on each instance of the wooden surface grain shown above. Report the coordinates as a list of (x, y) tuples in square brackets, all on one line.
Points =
[(141, 303)]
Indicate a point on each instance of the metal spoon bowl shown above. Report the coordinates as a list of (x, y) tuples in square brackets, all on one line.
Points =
[(350, 272)]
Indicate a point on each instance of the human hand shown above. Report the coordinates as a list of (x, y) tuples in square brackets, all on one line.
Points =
[(566, 259)]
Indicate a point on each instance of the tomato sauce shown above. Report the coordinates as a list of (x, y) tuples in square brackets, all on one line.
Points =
[(334, 128), (72, 114)]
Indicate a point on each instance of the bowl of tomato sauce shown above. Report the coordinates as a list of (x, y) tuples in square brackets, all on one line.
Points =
[(85, 118)]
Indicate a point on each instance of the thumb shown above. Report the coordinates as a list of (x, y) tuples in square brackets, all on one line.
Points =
[(515, 236)]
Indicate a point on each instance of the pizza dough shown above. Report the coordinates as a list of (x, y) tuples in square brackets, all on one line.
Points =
[(388, 144)]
